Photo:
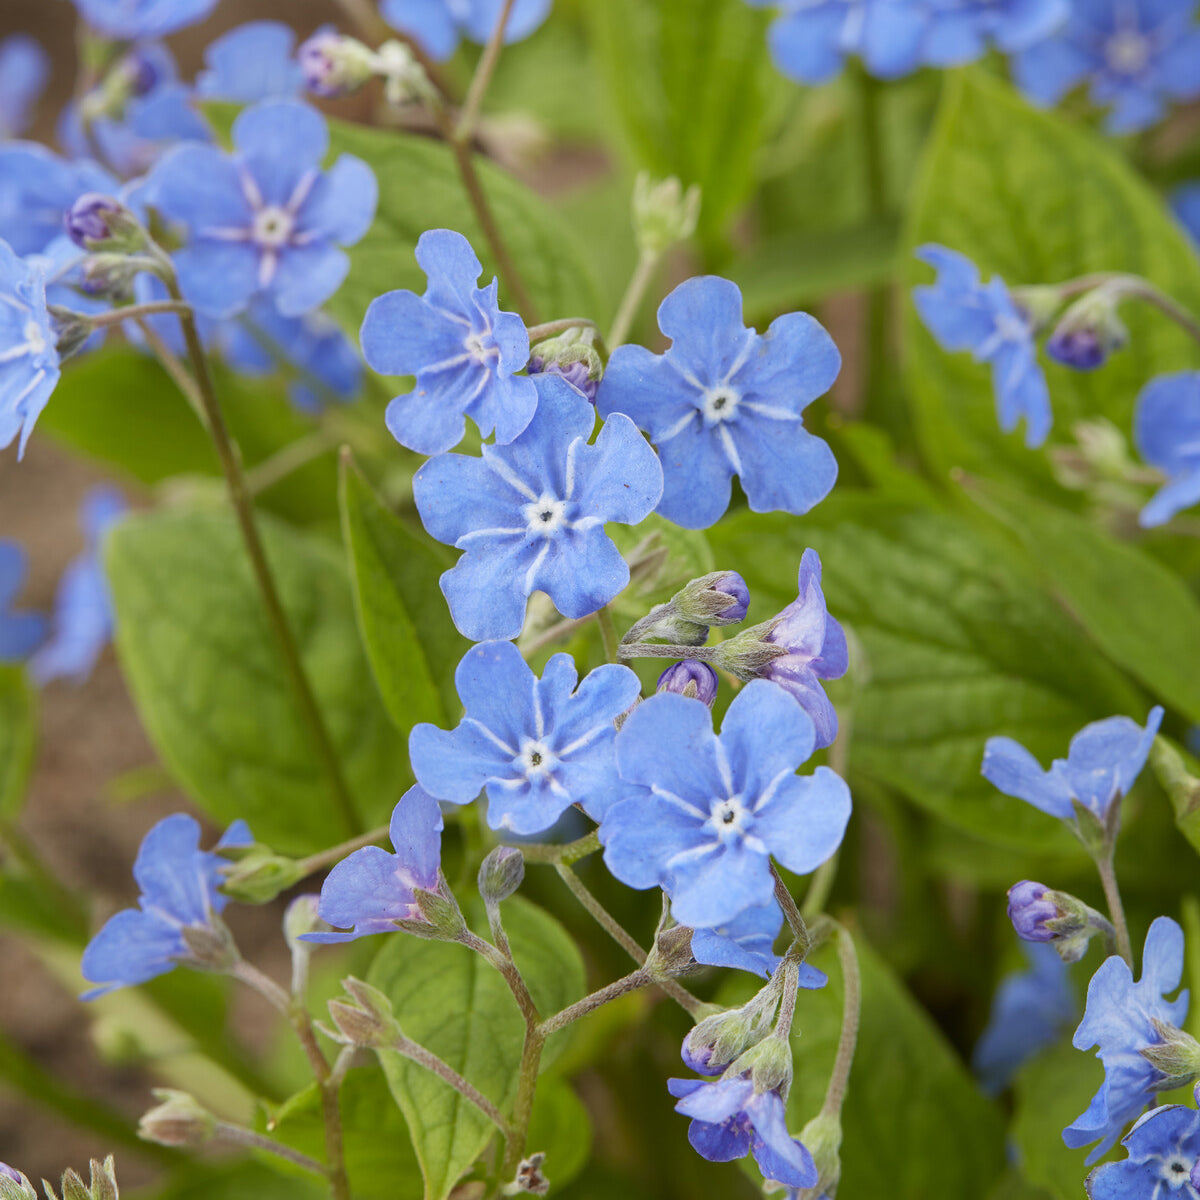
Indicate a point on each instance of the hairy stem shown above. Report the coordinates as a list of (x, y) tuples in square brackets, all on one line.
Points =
[(531, 1060), (243, 505), (835, 1093), (328, 858), (556, 633), (790, 911), (510, 971), (704, 654), (627, 310), (567, 853), (469, 113), (630, 983), (430, 1061), (291, 458), (239, 1135), (787, 1004), (135, 312), (1116, 910)]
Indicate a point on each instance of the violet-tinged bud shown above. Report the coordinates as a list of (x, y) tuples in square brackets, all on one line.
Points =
[(1029, 908), (822, 1137), (1176, 1056), (1041, 915), (72, 329), (769, 1064), (572, 355), (663, 213), (14, 1185), (364, 1017), (139, 72), (716, 1041), (88, 219), (719, 598), (333, 64), (110, 275), (1039, 303), (748, 653), (501, 874), (690, 678), (1089, 331), (177, 1120)]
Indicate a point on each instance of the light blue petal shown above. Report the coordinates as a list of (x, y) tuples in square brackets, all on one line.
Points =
[(805, 819), (1008, 766), (696, 478), (457, 495), (131, 947), (218, 277), (342, 203), (784, 468), (497, 688), (647, 389), (641, 832), (252, 62), (200, 187), (307, 276), (1166, 422), (452, 267), (454, 764), (668, 741), (764, 734), (806, 46), (280, 141), (486, 592), (580, 573), (172, 871), (720, 886), (427, 22), (619, 477), (703, 319)]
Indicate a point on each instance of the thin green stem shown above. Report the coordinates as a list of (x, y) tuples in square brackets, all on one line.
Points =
[(567, 853), (137, 312), (549, 329), (243, 506), (630, 983), (835, 1093), (704, 654), (531, 1060), (790, 911), (291, 458), (556, 633), (1116, 910), (608, 633), (328, 858), (177, 371), (430, 1061), (787, 1004), (510, 971), (469, 113), (627, 310), (239, 1135)]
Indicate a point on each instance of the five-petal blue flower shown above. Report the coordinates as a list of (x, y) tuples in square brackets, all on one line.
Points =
[(1120, 1017), (530, 515), (29, 363), (1166, 431), (538, 746), (437, 25), (371, 890), (1104, 759), (964, 314), (1163, 1149), (464, 351), (266, 219), (178, 883), (701, 815), (252, 62), (725, 400), (730, 1120)]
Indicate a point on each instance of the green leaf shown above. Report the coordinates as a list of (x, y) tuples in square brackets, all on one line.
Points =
[(915, 1124), (1025, 195), (1142, 615), (411, 642), (378, 1154), (453, 1002), (18, 739), (419, 189), (693, 88), (956, 646), (210, 683)]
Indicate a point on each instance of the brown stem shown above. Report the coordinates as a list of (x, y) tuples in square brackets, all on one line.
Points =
[(510, 971)]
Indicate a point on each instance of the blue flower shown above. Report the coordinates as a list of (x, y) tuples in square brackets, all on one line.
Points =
[(1031, 1011), (178, 885), (265, 219), (1166, 431), (701, 815), (816, 650), (730, 1120), (810, 41), (748, 943), (83, 608), (252, 62), (321, 361), (530, 515), (36, 190), (24, 70), (128, 20), (143, 110), (961, 30), (1120, 1017), (464, 351), (437, 25), (964, 314), (1104, 759), (724, 401), (1137, 55), (20, 632), (1185, 202), (1163, 1148), (371, 890), (29, 364), (538, 746)]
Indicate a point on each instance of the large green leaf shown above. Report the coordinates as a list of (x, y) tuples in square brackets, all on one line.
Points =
[(449, 999), (1142, 615), (211, 686), (956, 647), (18, 736), (411, 642), (1025, 195), (419, 189), (693, 87)]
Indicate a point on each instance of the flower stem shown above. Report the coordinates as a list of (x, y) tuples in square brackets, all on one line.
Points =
[(835, 1093), (328, 858), (630, 983), (511, 972), (787, 1005), (704, 654), (627, 310), (608, 633), (444, 1071), (177, 371), (531, 1060), (290, 458), (1116, 910), (230, 458), (136, 312), (239, 1135), (790, 911), (567, 853), (469, 113)]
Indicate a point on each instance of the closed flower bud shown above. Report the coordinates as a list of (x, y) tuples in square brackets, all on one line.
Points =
[(110, 275), (439, 912), (1041, 915), (334, 65), (1089, 331), (405, 80), (720, 598), (71, 330), (177, 1120), (690, 678), (103, 1184), (747, 655), (663, 213), (1039, 303), (822, 1136), (672, 953), (364, 1017), (99, 222), (301, 917), (769, 1063), (14, 1185), (719, 1039), (1029, 908), (258, 875), (571, 355), (501, 874), (1176, 1056)]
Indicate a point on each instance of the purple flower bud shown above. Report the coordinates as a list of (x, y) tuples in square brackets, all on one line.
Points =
[(7, 1172), (732, 584), (1029, 910), (87, 220), (140, 72), (699, 1059), (1078, 348), (690, 678), (576, 374), (334, 65)]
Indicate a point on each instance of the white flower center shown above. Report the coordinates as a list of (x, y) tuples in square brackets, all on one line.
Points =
[(273, 227), (729, 818), (1010, 328), (34, 338), (536, 759), (1176, 1170), (478, 349), (720, 403), (1127, 52), (546, 515)]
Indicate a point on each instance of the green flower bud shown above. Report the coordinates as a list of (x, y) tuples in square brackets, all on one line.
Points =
[(1176, 1056), (14, 1185), (364, 1017), (769, 1063), (663, 213), (177, 1120), (210, 947), (258, 875), (501, 874), (103, 1184), (671, 954)]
